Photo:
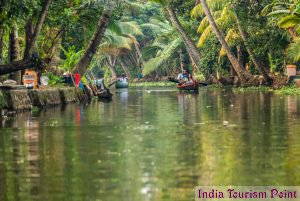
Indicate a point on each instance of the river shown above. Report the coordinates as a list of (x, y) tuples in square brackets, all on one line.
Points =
[(150, 144)]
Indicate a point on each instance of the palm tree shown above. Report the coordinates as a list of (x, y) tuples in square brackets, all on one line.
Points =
[(91, 50), (225, 15), (242, 73), (118, 41), (167, 41), (188, 42), (101, 33)]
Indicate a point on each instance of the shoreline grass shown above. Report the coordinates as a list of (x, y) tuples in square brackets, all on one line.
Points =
[(152, 84), (287, 90)]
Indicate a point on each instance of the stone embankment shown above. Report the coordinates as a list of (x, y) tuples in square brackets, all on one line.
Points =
[(23, 99)]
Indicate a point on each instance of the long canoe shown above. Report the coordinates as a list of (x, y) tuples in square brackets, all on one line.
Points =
[(121, 84), (104, 94), (188, 87)]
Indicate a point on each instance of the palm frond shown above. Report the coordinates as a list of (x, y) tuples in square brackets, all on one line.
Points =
[(279, 12), (206, 33), (115, 41), (165, 54), (125, 28), (205, 23), (231, 36), (289, 21), (161, 2), (214, 5), (293, 51)]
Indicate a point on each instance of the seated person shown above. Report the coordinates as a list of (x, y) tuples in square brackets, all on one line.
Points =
[(179, 77), (99, 83), (123, 78), (185, 76)]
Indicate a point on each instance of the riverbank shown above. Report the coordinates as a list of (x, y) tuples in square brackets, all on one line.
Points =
[(152, 84), (286, 90), (23, 99)]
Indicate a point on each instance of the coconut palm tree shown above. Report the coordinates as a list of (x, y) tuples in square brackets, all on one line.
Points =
[(188, 42), (100, 32), (224, 14), (119, 40), (241, 72), (167, 41)]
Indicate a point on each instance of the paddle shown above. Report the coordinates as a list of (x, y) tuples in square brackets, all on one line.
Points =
[(202, 84), (112, 83), (173, 80)]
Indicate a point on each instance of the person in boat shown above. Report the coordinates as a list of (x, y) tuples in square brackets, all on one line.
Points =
[(180, 71), (191, 80), (179, 76), (185, 77), (123, 78), (99, 83)]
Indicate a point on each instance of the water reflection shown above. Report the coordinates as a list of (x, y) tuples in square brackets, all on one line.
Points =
[(150, 144)]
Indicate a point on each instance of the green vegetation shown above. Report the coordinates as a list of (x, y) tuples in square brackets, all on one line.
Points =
[(288, 91), (3, 102), (151, 84), (213, 39), (252, 89)]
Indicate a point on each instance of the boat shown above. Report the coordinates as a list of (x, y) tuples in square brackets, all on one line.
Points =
[(104, 94), (121, 84), (188, 87)]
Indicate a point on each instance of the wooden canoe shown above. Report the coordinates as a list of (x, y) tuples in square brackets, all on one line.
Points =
[(104, 94), (188, 87)]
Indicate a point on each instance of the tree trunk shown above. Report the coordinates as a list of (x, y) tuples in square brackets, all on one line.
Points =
[(242, 74), (293, 33), (111, 61), (16, 66), (28, 36), (31, 45), (14, 52), (1, 44), (125, 68), (55, 42), (253, 57), (197, 2), (239, 54), (190, 45), (91, 50), (141, 60)]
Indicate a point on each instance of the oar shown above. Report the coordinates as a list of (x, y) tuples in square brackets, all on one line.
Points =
[(173, 80), (112, 83), (202, 84)]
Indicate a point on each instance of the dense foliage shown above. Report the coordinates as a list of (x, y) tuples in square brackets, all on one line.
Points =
[(155, 37)]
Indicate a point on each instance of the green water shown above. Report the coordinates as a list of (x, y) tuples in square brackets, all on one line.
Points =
[(150, 144)]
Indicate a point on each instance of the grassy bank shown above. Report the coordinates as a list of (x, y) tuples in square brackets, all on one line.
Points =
[(287, 90), (152, 84)]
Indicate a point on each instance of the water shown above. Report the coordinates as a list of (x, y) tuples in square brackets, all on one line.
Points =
[(150, 144)]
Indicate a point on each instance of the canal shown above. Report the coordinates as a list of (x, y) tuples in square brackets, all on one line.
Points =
[(150, 144)]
